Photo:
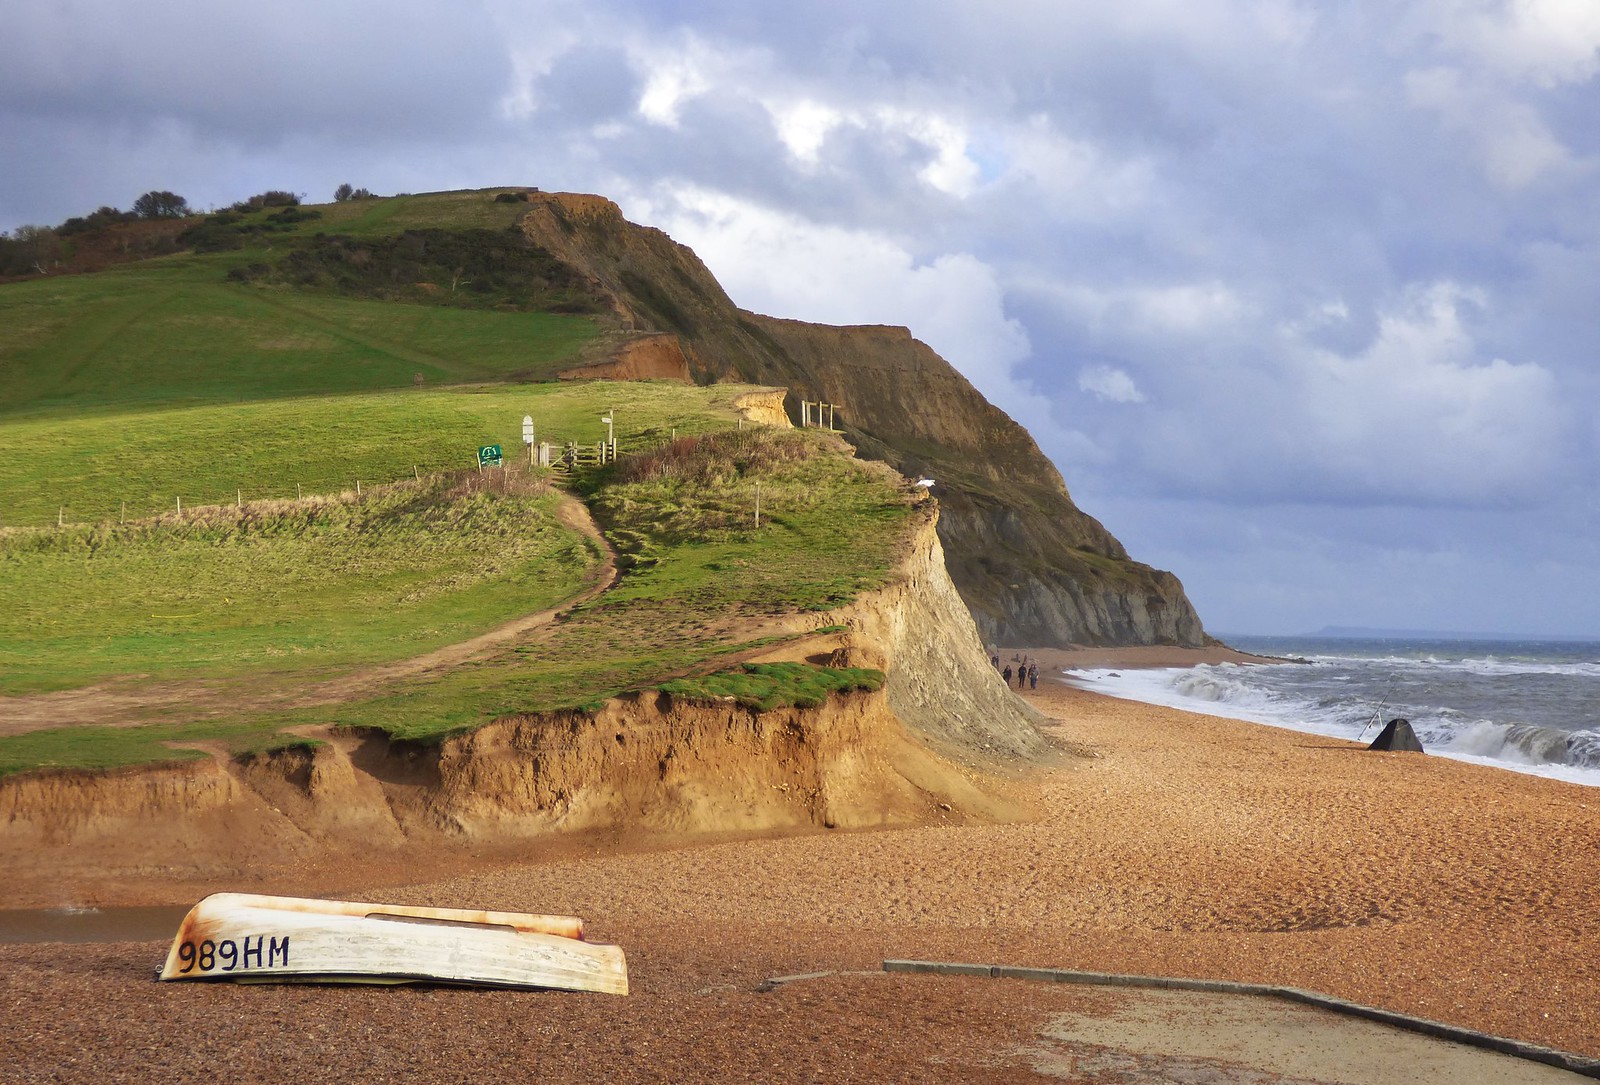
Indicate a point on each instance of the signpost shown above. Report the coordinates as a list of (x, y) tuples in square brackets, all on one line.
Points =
[(527, 438), (488, 456)]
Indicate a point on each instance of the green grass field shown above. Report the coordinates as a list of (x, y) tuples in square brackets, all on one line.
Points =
[(282, 585), (178, 333), (262, 408), (175, 330), (110, 464), (830, 529)]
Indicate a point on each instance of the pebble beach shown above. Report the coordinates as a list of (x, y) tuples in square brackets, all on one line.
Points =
[(1159, 842)]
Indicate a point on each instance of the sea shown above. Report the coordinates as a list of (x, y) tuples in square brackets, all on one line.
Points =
[(1528, 706)]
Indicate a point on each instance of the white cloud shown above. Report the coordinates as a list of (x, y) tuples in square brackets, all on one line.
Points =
[(1417, 413), (1168, 313), (1543, 41), (1510, 138), (952, 171), (803, 125), (672, 79), (1110, 384), (1073, 177)]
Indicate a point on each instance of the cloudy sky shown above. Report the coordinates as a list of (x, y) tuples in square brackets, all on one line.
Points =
[(1302, 297)]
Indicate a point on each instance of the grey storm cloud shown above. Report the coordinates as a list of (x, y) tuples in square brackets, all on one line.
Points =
[(1298, 296), (363, 70)]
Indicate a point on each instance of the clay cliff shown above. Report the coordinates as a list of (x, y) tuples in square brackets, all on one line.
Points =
[(1031, 566)]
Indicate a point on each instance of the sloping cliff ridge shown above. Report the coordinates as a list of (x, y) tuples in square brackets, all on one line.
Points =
[(1032, 567), (917, 750)]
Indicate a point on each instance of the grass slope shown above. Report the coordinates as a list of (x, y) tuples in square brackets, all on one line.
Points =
[(105, 464), (831, 527), (282, 585), (123, 391), (174, 332), (178, 330)]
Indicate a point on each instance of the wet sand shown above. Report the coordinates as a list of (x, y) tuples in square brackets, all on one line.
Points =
[(1186, 845)]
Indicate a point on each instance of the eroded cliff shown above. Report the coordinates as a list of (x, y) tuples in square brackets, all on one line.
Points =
[(1032, 567), (920, 749)]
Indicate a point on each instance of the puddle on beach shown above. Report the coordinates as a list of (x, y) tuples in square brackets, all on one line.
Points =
[(90, 924)]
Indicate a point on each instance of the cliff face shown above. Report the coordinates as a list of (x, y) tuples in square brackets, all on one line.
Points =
[(1031, 566), (939, 678)]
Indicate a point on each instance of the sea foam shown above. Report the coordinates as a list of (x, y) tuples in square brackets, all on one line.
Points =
[(1351, 698)]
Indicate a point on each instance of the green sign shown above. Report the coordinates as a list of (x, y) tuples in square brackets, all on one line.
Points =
[(489, 456)]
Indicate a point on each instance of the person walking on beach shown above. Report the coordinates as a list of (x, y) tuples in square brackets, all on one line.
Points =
[(1022, 675), (1033, 676), (1006, 674)]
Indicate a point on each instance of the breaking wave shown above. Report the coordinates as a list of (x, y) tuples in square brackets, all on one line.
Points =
[(1540, 716)]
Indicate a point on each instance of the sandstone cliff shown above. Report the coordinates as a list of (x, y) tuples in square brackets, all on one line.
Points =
[(1032, 567)]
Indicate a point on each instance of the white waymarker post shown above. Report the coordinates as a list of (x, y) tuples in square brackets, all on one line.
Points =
[(611, 440), (527, 437)]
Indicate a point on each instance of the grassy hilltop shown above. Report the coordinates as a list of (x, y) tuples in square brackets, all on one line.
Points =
[(311, 388)]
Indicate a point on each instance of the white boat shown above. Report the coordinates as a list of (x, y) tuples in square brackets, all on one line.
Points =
[(261, 939)]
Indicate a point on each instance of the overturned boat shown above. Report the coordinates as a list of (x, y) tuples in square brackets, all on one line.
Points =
[(263, 939)]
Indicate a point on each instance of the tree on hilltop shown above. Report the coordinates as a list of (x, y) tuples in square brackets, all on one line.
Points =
[(161, 205), (28, 250)]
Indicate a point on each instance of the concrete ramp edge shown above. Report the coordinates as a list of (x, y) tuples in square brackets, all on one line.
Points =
[(1566, 1060)]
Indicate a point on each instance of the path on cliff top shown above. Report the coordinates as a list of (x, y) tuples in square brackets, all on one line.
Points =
[(128, 703)]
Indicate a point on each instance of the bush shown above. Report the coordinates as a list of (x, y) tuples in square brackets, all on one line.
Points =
[(161, 205), (719, 457), (474, 268), (271, 198), (294, 214), (212, 234), (96, 220)]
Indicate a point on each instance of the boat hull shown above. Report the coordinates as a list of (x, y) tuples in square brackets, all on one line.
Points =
[(261, 939)]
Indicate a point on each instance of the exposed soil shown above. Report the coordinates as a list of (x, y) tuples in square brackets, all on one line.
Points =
[(635, 358)]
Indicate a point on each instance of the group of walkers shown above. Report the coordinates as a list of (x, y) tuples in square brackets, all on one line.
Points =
[(1027, 671)]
